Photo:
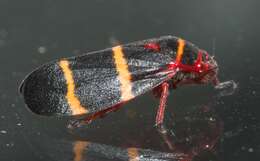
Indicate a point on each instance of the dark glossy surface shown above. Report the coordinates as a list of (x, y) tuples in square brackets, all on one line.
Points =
[(35, 32)]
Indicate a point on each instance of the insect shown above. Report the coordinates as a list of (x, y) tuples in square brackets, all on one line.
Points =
[(99, 82)]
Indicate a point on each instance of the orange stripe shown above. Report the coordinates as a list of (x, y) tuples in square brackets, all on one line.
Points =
[(133, 154), (181, 44), (124, 75), (78, 149), (72, 99)]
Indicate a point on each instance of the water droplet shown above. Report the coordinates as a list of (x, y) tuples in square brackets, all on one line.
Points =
[(3, 132), (250, 150), (42, 50), (19, 124)]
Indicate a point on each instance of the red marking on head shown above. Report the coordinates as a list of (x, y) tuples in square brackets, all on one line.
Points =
[(153, 46), (198, 67)]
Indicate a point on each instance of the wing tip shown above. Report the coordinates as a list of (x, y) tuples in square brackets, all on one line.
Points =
[(33, 89)]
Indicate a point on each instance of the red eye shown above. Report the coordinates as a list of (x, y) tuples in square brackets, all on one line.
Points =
[(153, 46), (205, 56)]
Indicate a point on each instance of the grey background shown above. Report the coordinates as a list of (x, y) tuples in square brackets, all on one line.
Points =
[(33, 32)]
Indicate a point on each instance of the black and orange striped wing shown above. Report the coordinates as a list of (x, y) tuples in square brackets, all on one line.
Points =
[(98, 80)]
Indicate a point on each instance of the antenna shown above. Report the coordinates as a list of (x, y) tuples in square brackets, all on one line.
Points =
[(214, 46)]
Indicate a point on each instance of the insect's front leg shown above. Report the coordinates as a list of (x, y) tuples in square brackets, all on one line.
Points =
[(215, 81)]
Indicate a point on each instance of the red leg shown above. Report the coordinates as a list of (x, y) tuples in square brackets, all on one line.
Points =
[(164, 91), (163, 99)]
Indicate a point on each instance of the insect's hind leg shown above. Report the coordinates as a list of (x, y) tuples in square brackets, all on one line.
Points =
[(161, 109)]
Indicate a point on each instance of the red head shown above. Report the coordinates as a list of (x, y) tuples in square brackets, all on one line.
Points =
[(194, 65)]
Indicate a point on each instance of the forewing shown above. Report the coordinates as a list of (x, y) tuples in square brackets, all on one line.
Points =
[(95, 81)]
